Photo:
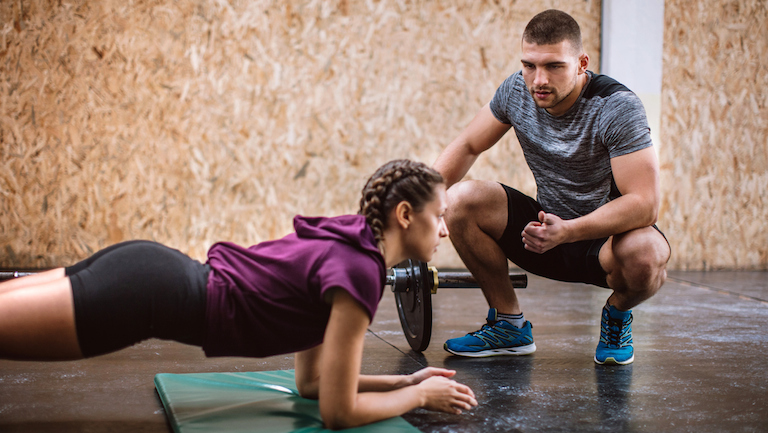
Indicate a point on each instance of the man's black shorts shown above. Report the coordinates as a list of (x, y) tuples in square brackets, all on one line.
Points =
[(572, 262)]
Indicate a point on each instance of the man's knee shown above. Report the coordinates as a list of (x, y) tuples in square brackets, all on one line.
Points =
[(475, 202), (641, 256), (459, 200)]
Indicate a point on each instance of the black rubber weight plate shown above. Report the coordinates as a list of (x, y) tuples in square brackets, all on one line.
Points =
[(414, 306)]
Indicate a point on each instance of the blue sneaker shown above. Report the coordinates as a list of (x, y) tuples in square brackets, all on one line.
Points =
[(615, 346), (497, 337)]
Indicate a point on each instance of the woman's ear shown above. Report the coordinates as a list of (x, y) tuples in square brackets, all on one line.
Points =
[(403, 214)]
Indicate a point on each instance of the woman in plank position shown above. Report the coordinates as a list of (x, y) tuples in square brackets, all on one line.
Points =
[(313, 292)]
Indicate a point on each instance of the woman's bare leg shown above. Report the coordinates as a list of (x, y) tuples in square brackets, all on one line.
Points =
[(31, 280), (37, 322)]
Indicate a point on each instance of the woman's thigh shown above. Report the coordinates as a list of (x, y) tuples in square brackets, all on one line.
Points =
[(37, 322)]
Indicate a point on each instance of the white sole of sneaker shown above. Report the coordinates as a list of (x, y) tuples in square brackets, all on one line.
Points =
[(516, 351), (612, 361)]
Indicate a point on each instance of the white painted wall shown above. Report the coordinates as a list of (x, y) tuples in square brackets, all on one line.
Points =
[(632, 44)]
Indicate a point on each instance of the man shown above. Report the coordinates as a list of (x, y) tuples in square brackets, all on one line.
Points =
[(586, 139)]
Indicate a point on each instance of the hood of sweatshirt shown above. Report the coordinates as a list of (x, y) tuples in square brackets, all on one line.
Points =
[(350, 229)]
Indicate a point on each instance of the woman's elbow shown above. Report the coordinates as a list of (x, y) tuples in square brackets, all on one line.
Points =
[(341, 424), (307, 390), (337, 424), (338, 419)]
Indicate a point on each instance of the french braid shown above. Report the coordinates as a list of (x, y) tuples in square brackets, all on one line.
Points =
[(396, 181)]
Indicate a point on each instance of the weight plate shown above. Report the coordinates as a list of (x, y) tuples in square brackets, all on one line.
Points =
[(414, 306)]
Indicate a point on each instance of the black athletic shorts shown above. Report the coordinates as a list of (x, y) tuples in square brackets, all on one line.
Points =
[(137, 290), (573, 262)]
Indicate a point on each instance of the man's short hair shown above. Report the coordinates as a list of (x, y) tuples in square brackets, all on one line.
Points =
[(552, 27)]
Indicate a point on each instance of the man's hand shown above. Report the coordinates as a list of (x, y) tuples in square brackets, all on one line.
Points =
[(546, 233)]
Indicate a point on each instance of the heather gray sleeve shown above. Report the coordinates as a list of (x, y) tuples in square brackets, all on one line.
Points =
[(623, 124), (500, 104)]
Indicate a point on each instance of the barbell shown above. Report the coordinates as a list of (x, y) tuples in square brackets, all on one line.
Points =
[(414, 282), (6, 274)]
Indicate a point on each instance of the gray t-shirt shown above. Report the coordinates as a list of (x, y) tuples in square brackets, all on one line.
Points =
[(570, 154)]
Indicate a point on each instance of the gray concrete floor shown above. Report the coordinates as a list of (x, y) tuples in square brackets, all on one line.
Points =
[(700, 366)]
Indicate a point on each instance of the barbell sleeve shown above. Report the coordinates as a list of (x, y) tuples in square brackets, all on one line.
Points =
[(465, 280), (9, 274), (401, 280)]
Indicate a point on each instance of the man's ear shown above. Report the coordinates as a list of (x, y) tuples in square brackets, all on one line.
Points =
[(583, 63), (404, 214)]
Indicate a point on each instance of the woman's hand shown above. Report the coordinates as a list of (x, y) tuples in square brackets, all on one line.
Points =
[(346, 398), (441, 394), (425, 373)]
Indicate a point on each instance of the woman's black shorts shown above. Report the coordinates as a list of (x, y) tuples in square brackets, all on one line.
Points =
[(573, 262), (136, 290)]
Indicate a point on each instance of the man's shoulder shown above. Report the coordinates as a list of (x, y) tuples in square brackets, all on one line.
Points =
[(508, 98), (514, 80), (603, 86)]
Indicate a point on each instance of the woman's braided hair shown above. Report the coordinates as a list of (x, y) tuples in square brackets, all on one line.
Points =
[(396, 181)]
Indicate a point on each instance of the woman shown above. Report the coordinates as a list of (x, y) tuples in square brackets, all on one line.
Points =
[(313, 292)]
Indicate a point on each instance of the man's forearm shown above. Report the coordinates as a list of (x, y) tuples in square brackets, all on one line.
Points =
[(455, 162), (621, 215), (481, 133)]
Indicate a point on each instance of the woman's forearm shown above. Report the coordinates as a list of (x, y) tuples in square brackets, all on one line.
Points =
[(370, 407), (434, 392), (379, 383), (382, 383)]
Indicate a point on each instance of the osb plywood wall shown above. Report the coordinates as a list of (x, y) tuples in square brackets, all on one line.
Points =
[(715, 133), (189, 122)]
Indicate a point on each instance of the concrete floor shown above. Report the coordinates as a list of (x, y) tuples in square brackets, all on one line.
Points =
[(700, 366)]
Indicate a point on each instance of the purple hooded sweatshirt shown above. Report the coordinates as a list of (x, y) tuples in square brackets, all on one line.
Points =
[(268, 299)]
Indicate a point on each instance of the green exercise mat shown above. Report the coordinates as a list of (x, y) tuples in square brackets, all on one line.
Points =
[(253, 402)]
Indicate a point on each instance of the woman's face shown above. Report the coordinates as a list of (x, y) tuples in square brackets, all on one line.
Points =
[(427, 228)]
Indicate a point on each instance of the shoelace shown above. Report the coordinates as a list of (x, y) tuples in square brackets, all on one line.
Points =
[(614, 332), (488, 324)]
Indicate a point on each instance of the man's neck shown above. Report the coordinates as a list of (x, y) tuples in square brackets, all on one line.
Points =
[(568, 102)]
